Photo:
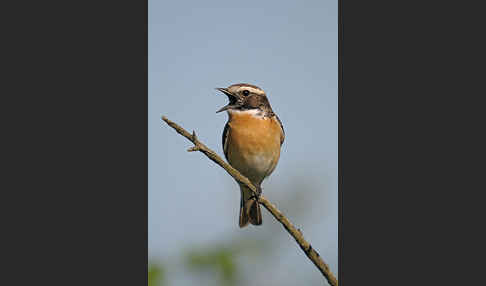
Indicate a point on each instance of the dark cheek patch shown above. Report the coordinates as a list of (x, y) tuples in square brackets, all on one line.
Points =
[(253, 102)]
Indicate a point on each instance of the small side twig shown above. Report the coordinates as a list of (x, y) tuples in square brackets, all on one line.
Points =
[(294, 232)]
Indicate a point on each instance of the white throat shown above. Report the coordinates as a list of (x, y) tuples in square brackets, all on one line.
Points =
[(253, 112)]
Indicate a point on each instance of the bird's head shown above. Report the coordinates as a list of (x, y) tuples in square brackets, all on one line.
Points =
[(243, 96)]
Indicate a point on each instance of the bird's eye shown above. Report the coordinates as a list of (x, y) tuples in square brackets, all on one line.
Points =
[(246, 92)]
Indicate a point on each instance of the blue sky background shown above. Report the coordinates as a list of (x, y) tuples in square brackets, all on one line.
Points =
[(288, 48)]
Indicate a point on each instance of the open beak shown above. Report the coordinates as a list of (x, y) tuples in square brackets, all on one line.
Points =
[(232, 99)]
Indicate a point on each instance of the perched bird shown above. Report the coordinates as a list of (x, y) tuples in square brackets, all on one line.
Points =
[(251, 142)]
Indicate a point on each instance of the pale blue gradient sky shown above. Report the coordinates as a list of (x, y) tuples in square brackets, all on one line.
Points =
[(288, 48)]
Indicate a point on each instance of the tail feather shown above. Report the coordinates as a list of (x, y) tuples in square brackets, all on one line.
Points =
[(250, 211), (254, 212), (244, 219)]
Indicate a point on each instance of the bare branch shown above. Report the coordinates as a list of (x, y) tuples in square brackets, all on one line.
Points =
[(294, 232)]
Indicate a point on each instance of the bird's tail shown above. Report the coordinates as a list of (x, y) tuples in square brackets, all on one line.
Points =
[(249, 208)]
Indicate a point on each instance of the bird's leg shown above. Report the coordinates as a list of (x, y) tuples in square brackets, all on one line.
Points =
[(258, 193)]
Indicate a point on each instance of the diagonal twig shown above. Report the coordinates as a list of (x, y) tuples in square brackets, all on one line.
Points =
[(294, 232)]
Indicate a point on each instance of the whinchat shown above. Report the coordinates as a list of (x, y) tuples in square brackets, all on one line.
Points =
[(252, 138)]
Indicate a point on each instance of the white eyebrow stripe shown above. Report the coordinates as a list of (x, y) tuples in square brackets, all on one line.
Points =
[(252, 90)]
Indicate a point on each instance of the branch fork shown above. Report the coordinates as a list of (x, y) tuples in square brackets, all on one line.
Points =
[(196, 143)]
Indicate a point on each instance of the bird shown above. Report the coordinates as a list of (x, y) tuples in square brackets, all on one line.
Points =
[(252, 138)]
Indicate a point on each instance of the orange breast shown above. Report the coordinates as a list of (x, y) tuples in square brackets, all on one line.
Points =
[(253, 145)]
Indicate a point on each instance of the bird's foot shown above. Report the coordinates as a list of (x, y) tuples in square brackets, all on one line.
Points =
[(256, 195), (259, 191)]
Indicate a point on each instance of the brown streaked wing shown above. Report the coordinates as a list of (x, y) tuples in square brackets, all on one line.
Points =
[(224, 140), (283, 131)]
